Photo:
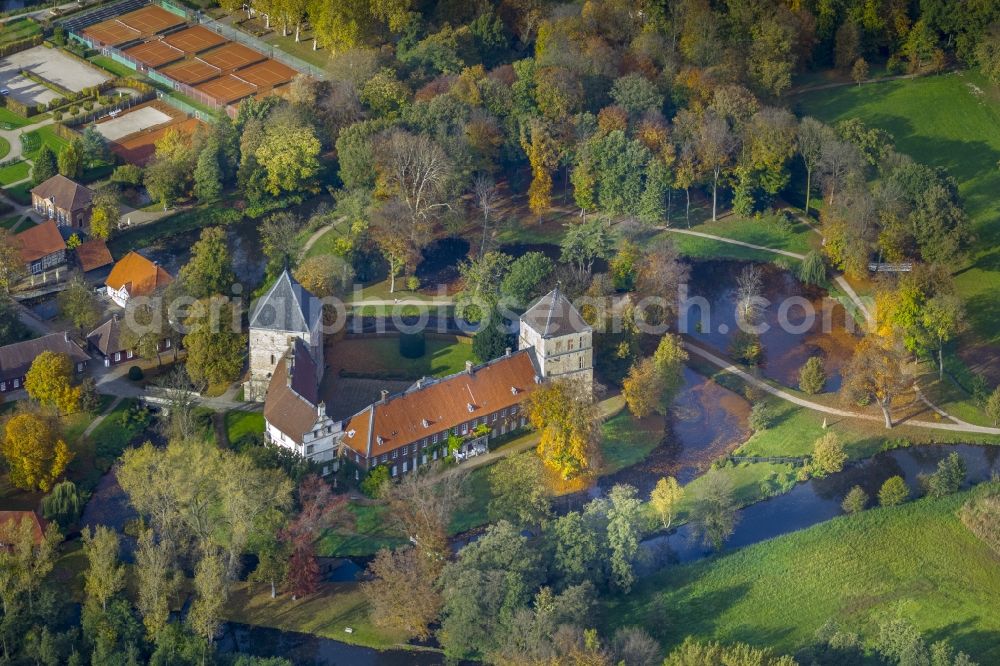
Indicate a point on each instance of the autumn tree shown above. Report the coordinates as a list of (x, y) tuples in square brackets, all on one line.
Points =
[(653, 382), (104, 213), (70, 161), (543, 156), (49, 381), (157, 582), (319, 509), (664, 498), (105, 575), (35, 453), (859, 71), (289, 155), (215, 346), (325, 275), (893, 492), (211, 587), (402, 592), (421, 506), (876, 372), (567, 419), (12, 267)]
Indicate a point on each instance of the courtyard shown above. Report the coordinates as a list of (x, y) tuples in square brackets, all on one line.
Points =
[(52, 65)]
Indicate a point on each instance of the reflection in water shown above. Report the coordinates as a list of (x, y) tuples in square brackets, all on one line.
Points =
[(784, 351), (819, 499), (309, 650)]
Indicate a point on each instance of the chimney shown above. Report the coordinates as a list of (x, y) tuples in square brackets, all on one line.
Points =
[(507, 352), (385, 396), (468, 367)]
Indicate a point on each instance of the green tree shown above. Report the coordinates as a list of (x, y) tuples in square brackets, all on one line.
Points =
[(813, 269), (943, 318), (893, 492), (625, 525), (290, 158), (813, 135), (828, 454), (279, 239), (45, 165), (492, 339), (585, 243), (402, 593), (855, 501), (993, 406), (526, 278), (812, 376), (105, 575), (105, 213), (772, 53), (664, 498), (214, 343), (208, 174), (574, 549), (713, 508), (209, 271), (949, 477), (95, 147), (64, 504), (636, 94), (70, 161), (519, 492)]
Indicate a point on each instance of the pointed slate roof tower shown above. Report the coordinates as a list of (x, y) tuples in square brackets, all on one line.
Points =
[(286, 306), (553, 315)]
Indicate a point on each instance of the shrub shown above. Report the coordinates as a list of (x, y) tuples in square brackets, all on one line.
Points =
[(64, 504), (893, 492), (88, 105), (375, 481), (413, 283), (746, 348), (57, 116), (855, 501), (981, 515), (812, 376), (73, 110), (412, 345), (761, 417), (948, 478), (813, 270), (130, 174), (135, 373), (828, 454)]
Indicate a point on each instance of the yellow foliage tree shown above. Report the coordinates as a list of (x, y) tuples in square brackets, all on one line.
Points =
[(568, 420), (50, 382), (35, 454)]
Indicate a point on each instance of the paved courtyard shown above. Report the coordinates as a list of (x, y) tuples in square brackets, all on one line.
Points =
[(53, 65)]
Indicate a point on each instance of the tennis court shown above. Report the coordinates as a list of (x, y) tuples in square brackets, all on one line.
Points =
[(194, 39), (231, 56), (140, 148), (154, 53), (110, 33), (267, 74), (150, 20), (191, 72), (132, 122), (227, 89)]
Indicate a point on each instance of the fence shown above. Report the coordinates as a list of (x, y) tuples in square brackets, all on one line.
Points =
[(183, 106), (135, 100), (236, 35)]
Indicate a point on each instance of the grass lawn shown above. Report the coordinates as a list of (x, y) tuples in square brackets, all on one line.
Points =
[(180, 222), (15, 172), (113, 66), (10, 222), (796, 237), (33, 140), (302, 49), (240, 423), (706, 248), (4, 147), (380, 358), (917, 560), (20, 193), (625, 440), (950, 121), (371, 532), (18, 29), (12, 119), (325, 613)]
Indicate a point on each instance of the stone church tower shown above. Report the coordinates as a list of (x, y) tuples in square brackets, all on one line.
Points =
[(285, 313), (562, 340)]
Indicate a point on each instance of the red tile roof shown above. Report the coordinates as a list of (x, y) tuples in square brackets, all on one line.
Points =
[(93, 254), (291, 404), (142, 276), (16, 517), (40, 241), (441, 405)]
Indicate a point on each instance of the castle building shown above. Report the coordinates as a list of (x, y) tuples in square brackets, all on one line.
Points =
[(287, 312), (417, 426), (562, 340)]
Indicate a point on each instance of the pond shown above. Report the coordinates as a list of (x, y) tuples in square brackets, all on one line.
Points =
[(819, 500), (785, 348), (309, 650), (439, 262)]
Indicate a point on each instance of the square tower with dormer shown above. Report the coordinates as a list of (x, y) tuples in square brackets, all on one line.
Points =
[(562, 340), (285, 313)]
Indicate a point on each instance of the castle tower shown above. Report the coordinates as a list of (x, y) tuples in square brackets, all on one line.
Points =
[(562, 340), (286, 312)]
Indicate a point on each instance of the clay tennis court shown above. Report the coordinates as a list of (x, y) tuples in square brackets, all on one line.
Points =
[(267, 74), (150, 20), (194, 39), (127, 124), (154, 53), (227, 89), (141, 148), (111, 33), (191, 72), (231, 56)]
